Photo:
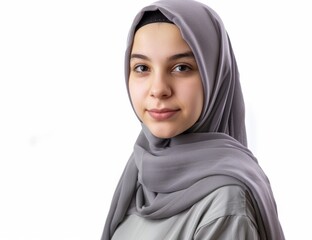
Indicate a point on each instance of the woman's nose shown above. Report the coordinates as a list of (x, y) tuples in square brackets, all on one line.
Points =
[(160, 87)]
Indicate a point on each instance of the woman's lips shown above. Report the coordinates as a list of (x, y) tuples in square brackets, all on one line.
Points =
[(162, 114)]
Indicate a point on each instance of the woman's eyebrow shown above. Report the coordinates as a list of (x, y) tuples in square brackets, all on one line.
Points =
[(140, 56), (188, 54)]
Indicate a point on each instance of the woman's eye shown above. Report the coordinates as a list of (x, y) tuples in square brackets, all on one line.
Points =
[(181, 68), (141, 68)]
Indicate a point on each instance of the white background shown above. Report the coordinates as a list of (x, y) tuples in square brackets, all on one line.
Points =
[(67, 129)]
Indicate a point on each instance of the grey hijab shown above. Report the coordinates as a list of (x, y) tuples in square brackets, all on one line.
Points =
[(164, 177)]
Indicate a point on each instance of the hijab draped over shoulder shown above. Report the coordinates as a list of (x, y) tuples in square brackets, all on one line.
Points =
[(164, 177)]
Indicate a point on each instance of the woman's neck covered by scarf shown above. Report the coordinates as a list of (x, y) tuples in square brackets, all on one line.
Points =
[(212, 153)]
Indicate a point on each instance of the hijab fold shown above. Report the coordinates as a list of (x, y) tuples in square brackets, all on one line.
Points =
[(164, 177)]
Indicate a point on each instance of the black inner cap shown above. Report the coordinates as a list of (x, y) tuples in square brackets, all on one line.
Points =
[(152, 17)]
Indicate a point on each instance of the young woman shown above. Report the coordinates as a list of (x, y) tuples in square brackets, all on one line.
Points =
[(191, 175)]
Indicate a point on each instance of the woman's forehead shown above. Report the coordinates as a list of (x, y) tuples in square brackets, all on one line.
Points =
[(159, 36)]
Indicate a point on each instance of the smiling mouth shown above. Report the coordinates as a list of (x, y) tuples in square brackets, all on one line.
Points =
[(162, 114)]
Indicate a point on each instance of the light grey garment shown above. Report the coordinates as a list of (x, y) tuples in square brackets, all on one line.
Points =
[(165, 177), (225, 214)]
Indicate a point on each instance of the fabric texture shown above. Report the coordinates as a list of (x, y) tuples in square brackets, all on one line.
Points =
[(164, 177), (225, 214)]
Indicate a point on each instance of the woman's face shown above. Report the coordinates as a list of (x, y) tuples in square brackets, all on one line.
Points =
[(164, 82)]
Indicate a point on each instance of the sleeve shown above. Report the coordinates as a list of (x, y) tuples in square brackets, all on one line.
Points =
[(228, 228)]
